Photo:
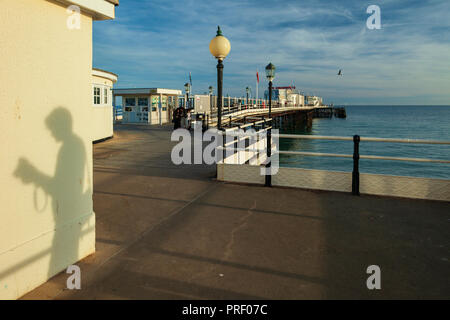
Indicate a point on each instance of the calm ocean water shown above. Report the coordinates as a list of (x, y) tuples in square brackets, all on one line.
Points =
[(413, 122)]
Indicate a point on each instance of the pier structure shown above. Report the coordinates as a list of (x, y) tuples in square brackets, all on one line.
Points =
[(288, 106), (283, 116), (156, 106), (245, 114)]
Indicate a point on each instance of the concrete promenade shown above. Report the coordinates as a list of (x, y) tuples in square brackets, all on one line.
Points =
[(173, 232)]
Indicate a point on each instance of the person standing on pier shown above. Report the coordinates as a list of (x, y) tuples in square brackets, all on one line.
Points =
[(178, 114), (188, 119)]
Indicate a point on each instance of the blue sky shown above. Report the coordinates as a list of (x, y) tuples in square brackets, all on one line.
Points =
[(156, 43)]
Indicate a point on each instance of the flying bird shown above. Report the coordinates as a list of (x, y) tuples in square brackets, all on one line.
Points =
[(340, 72)]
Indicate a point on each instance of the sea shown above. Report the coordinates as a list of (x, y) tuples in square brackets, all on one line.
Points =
[(407, 122)]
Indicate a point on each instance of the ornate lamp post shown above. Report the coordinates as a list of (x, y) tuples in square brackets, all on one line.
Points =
[(270, 74), (187, 88), (219, 48)]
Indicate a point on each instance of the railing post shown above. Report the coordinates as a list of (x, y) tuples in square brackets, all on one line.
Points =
[(256, 142), (355, 173), (237, 146), (268, 181), (223, 145)]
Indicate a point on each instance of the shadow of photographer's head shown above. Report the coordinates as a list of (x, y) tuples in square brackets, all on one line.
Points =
[(59, 122)]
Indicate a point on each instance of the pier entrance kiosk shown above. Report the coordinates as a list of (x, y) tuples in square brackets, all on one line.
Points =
[(147, 105)]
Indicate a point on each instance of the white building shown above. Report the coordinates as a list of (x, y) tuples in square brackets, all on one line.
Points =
[(102, 107), (147, 105), (47, 219), (286, 96), (314, 101), (295, 99)]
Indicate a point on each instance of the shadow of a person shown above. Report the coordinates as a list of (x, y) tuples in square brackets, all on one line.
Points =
[(65, 187)]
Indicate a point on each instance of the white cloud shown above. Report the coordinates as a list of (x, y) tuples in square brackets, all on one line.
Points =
[(307, 41)]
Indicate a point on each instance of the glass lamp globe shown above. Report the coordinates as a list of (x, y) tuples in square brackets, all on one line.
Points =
[(270, 72), (219, 45)]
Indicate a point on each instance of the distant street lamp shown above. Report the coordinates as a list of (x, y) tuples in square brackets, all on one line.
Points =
[(187, 88), (219, 48), (270, 74), (247, 90), (211, 90)]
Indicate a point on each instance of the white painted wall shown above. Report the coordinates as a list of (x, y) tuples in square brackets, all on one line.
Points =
[(102, 114), (46, 218)]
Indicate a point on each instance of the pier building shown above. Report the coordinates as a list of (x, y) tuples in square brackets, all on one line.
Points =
[(289, 96), (314, 101), (102, 106), (199, 103), (147, 105)]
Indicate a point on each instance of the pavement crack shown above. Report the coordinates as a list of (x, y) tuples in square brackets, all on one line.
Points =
[(242, 223), (229, 247)]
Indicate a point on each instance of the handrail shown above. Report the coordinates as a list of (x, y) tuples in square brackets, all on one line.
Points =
[(404, 159), (316, 154), (300, 136), (416, 141), (371, 139), (229, 132), (238, 110), (248, 125), (340, 138), (319, 154), (267, 150)]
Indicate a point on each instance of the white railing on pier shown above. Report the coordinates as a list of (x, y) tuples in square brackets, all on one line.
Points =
[(241, 147), (415, 141), (363, 139), (240, 111), (236, 167)]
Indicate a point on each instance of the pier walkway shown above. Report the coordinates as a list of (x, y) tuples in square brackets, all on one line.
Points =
[(174, 232), (237, 113)]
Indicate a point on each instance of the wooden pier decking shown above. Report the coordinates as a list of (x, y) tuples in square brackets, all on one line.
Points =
[(173, 232)]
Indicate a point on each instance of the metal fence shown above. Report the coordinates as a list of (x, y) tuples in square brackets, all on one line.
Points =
[(237, 155), (356, 156)]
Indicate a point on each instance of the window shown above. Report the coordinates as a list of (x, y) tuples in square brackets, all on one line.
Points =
[(130, 102), (96, 95), (105, 96), (142, 102)]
